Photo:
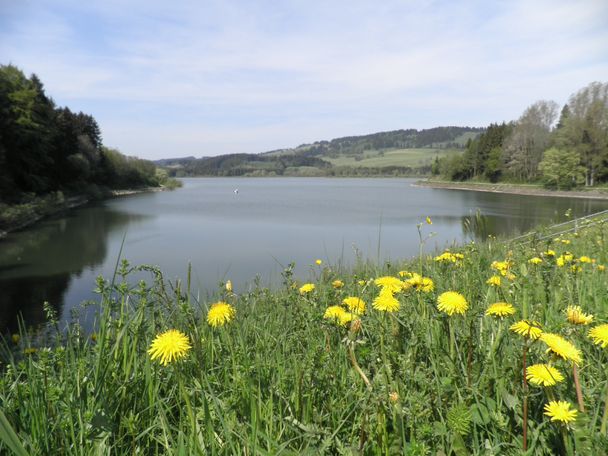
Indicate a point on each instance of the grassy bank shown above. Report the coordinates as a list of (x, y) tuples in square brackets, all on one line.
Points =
[(415, 372), (517, 189)]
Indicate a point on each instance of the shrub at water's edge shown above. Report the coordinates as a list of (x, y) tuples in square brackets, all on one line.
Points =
[(491, 348)]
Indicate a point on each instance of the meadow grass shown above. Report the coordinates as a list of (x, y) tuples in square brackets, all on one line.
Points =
[(395, 157), (279, 378)]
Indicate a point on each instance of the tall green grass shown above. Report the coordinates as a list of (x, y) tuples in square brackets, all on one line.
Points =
[(280, 379)]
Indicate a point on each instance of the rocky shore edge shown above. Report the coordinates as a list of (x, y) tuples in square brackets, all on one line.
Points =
[(514, 189)]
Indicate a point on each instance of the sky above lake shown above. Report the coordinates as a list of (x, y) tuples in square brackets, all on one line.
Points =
[(197, 77)]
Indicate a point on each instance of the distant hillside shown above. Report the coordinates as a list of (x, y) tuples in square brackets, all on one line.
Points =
[(400, 152)]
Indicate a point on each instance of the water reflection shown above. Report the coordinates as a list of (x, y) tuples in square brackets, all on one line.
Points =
[(38, 265)]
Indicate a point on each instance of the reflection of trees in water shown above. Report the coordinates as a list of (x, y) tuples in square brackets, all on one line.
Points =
[(36, 265), (526, 216)]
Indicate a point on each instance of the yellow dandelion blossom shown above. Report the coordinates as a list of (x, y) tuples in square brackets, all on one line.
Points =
[(601, 267), (446, 257), (307, 288), (337, 284), (346, 317), (599, 334), (393, 284), (361, 282), (404, 274), (560, 411), (459, 256), (494, 281), (575, 315), (500, 309), (452, 302), (585, 259), (565, 241), (168, 346), (510, 276), (561, 347), (550, 253), (220, 313), (355, 305), (535, 260), (318, 262), (420, 283), (386, 302), (543, 375), (334, 313), (502, 266), (527, 328), (393, 396)]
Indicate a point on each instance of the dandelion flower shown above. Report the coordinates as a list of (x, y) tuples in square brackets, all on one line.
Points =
[(500, 309), (535, 260), (585, 259), (386, 302), (561, 347), (452, 302), (393, 396), (404, 274), (599, 334), (560, 411), (420, 283), (334, 313), (355, 305), (168, 346), (446, 257), (576, 316), (501, 266), (361, 282), (601, 267), (494, 281), (527, 328), (307, 288), (543, 375), (15, 338), (220, 313), (346, 317), (318, 262), (337, 284), (393, 284), (550, 253)]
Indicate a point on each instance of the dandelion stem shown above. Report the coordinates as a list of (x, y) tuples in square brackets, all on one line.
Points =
[(605, 417), (577, 384), (525, 411), (353, 360)]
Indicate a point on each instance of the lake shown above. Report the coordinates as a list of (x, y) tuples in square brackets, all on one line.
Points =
[(257, 231)]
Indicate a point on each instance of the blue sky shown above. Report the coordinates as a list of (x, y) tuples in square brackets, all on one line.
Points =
[(197, 77)]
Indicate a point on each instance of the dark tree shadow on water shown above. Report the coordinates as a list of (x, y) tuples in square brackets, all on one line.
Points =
[(37, 264)]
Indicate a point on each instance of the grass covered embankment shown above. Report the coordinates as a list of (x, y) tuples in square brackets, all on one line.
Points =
[(416, 371), (517, 189)]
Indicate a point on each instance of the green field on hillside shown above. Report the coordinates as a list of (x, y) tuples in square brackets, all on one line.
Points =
[(414, 158)]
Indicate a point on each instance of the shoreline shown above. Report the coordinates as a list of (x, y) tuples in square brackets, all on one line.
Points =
[(70, 203), (514, 189)]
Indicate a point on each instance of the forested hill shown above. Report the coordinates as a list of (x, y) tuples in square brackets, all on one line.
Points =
[(45, 148), (399, 152)]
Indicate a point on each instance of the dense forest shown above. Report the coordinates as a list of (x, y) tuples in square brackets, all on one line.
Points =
[(45, 148), (314, 159), (535, 148)]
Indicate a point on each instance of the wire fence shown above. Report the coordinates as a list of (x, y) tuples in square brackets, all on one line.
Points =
[(562, 228)]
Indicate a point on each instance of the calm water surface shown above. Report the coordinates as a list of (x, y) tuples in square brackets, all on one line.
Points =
[(257, 231)]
